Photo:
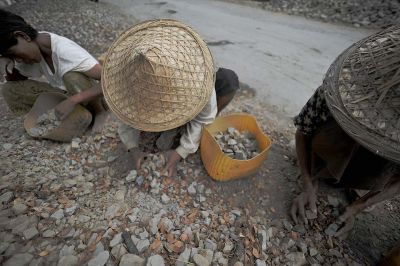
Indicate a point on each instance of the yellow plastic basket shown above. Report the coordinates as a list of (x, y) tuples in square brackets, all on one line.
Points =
[(221, 167)]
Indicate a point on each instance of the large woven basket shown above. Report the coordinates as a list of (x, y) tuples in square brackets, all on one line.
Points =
[(158, 75), (363, 92)]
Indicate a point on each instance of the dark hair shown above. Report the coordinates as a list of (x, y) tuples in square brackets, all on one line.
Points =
[(9, 23)]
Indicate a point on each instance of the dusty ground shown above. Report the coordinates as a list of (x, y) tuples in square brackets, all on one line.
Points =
[(31, 169), (284, 58)]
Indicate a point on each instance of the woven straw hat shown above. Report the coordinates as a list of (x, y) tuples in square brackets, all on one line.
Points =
[(364, 92), (158, 75)]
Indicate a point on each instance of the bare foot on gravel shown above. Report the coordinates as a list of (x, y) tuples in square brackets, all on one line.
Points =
[(99, 121)]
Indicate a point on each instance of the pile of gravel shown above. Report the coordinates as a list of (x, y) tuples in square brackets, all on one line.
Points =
[(237, 145), (366, 13), (92, 25), (45, 123)]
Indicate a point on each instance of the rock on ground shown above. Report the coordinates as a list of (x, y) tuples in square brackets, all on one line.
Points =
[(131, 260)]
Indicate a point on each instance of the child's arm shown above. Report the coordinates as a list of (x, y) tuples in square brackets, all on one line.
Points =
[(190, 139), (15, 76), (66, 107), (8, 72)]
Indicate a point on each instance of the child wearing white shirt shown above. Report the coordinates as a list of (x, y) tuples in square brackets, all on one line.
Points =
[(68, 68)]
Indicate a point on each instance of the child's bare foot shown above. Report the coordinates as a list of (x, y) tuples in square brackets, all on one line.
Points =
[(99, 121)]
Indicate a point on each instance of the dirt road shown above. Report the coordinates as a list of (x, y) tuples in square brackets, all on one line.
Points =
[(283, 57)]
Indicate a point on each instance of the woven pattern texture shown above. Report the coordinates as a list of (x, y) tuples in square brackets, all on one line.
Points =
[(158, 75), (364, 92)]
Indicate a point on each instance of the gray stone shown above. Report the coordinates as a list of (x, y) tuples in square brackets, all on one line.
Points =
[(299, 229), (117, 239), (288, 226), (75, 143), (92, 239), (331, 229), (260, 263), (144, 235), (134, 215), (222, 261), (202, 198), (262, 235), (217, 256), (30, 233), (19, 260), (183, 258), (240, 155), (7, 146), (232, 142), (58, 215), (228, 247), (83, 218), (3, 246), (139, 180), (142, 245), (21, 223), (131, 177), (311, 215), (302, 246), (6, 197), (333, 201), (192, 188), (209, 255), (335, 253), (297, 258), (204, 214), (237, 213), (131, 260), (238, 263), (112, 211), (120, 196), (168, 224), (153, 224), (118, 251), (49, 233), (69, 260), (19, 208), (313, 252), (155, 260), (209, 244), (100, 259), (201, 260), (99, 249), (71, 210), (39, 261), (70, 234), (231, 130), (164, 199), (67, 250), (70, 183)]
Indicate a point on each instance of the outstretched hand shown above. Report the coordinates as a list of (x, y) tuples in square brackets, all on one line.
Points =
[(346, 221), (6, 67), (63, 109), (138, 157), (172, 158), (306, 198)]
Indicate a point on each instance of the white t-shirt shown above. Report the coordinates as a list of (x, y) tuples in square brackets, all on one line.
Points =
[(66, 55)]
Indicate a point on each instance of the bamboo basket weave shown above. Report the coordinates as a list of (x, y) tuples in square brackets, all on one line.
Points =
[(363, 92), (158, 75)]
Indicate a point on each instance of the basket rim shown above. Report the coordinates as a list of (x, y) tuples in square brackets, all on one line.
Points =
[(344, 118)]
